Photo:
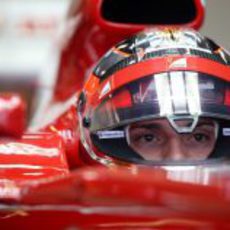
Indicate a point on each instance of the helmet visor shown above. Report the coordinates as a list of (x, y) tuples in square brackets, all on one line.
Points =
[(175, 95)]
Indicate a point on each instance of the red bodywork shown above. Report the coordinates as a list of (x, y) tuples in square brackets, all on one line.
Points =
[(40, 185)]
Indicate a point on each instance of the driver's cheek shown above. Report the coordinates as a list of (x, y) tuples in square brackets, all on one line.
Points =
[(178, 150), (199, 151)]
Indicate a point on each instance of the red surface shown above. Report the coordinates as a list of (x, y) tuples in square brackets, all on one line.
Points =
[(91, 39), (66, 127), (103, 198), (39, 188), (12, 115), (29, 160)]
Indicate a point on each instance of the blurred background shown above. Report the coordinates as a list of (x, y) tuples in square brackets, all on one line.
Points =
[(216, 21)]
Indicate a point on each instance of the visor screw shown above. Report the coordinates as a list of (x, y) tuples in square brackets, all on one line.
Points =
[(86, 122)]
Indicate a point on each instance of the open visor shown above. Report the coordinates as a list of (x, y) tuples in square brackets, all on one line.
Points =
[(174, 95)]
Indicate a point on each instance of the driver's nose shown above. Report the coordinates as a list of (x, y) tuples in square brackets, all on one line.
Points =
[(175, 150)]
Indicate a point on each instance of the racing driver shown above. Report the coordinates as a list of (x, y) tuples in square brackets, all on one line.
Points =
[(160, 97)]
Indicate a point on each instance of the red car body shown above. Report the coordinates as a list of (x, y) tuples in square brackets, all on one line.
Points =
[(44, 183)]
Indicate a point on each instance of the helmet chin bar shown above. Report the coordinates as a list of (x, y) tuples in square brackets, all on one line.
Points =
[(187, 128)]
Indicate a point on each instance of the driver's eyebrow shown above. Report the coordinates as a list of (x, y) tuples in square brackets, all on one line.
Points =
[(159, 126), (207, 123), (147, 126)]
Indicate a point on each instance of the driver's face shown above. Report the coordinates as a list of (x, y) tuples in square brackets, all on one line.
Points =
[(156, 140)]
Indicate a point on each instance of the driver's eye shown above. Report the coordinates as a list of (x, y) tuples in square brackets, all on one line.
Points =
[(145, 136), (200, 137), (149, 137)]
